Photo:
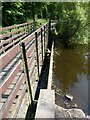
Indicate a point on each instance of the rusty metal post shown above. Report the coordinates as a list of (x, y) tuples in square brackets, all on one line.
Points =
[(42, 44), (49, 35), (30, 28), (44, 41), (34, 25), (24, 62), (37, 57), (49, 29)]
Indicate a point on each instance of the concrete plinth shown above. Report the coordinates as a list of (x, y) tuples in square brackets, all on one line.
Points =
[(46, 104)]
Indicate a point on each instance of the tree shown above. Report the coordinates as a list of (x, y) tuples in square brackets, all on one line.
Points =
[(73, 18), (12, 13)]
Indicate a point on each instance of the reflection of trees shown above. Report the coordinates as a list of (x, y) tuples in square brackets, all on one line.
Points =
[(69, 64)]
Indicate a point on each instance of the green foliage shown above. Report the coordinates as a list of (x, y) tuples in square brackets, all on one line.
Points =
[(73, 18), (12, 13), (18, 12), (40, 21), (73, 23)]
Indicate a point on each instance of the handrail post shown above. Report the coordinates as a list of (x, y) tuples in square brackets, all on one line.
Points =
[(49, 36), (49, 29), (24, 62), (42, 45), (37, 58), (31, 28), (46, 32), (34, 25), (44, 40)]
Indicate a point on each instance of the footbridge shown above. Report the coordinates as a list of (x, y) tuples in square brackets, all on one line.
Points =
[(26, 59)]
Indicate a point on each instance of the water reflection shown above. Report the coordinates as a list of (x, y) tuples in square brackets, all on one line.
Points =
[(71, 73)]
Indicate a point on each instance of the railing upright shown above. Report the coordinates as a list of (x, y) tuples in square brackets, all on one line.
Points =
[(44, 40), (24, 62), (49, 30), (42, 45), (37, 58)]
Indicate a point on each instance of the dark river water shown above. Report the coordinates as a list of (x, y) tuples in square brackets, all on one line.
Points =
[(71, 76)]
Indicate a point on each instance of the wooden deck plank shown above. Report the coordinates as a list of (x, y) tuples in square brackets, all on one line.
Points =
[(10, 78), (19, 101), (5, 58), (30, 50), (10, 99)]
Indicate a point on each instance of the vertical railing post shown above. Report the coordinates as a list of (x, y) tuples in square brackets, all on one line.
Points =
[(46, 36), (31, 27), (24, 62), (49, 30), (44, 41), (12, 36), (34, 25), (37, 58), (47, 33), (49, 36), (42, 44), (28, 28)]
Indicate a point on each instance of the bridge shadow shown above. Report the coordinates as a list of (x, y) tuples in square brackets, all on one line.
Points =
[(42, 84), (31, 112), (43, 81)]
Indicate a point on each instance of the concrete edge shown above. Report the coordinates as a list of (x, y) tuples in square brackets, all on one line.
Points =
[(50, 69), (46, 104)]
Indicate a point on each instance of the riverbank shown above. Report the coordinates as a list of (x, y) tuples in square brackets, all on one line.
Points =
[(61, 112), (47, 107), (71, 73)]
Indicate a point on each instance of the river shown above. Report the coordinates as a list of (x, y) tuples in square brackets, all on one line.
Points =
[(71, 76)]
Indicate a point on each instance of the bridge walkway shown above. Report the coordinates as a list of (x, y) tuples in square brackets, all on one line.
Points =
[(13, 87)]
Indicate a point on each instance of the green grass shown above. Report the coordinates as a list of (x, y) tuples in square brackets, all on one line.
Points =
[(40, 21), (29, 20)]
